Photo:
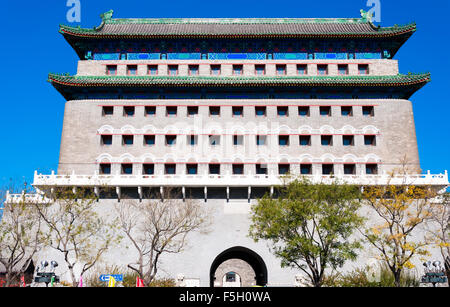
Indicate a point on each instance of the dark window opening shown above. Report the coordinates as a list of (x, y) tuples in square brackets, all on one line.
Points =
[(148, 169), (238, 169), (325, 111), (349, 169), (305, 140), (107, 110), (128, 111), (150, 111), (149, 140), (303, 111), (106, 140), (105, 168), (326, 140), (348, 140), (214, 169), (171, 140), (327, 169), (283, 169), (306, 169), (127, 169), (127, 140)]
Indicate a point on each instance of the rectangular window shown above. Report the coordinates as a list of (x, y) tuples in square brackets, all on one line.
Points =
[(171, 111), (281, 69), (303, 111), (368, 111), (111, 70), (260, 70), (347, 111), (238, 111), (192, 169), (105, 168), (192, 140), (282, 111), (173, 70), (106, 140), (148, 169), (238, 140), (149, 140), (283, 140), (150, 111), (326, 140), (349, 169), (152, 70), (260, 111), (371, 169), (306, 169), (322, 70), (107, 110), (261, 140), (170, 169), (302, 69), (283, 169), (238, 169), (132, 70), (215, 70), (192, 111), (128, 111), (363, 69), (238, 70), (370, 140), (214, 140), (327, 169), (171, 140), (305, 140), (214, 111), (127, 168), (348, 140), (261, 169), (325, 111), (193, 70), (214, 169), (127, 140), (343, 69)]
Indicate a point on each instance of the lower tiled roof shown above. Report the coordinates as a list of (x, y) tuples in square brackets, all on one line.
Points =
[(237, 81)]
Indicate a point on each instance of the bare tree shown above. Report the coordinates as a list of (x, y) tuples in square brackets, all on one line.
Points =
[(157, 227), (77, 230), (20, 236)]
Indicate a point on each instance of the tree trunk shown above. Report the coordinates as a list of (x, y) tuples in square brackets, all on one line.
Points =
[(397, 275)]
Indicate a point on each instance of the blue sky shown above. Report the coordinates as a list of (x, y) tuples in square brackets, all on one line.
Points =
[(32, 110)]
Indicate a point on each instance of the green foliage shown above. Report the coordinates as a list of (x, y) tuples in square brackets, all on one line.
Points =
[(359, 278), (309, 225)]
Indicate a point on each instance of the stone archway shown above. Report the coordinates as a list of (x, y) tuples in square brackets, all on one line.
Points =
[(241, 261)]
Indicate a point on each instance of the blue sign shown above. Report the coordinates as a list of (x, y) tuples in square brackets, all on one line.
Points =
[(117, 277)]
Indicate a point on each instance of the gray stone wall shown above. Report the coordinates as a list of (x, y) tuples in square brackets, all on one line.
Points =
[(376, 67), (81, 148)]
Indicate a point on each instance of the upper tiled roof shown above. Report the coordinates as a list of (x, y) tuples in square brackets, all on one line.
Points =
[(241, 27)]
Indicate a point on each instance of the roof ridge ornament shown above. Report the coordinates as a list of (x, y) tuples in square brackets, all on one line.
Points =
[(366, 16), (107, 15)]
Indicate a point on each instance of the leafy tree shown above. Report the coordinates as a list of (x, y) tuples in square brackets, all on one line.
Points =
[(399, 211), (309, 226)]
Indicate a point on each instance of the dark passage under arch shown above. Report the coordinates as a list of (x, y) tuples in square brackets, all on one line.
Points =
[(245, 254)]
